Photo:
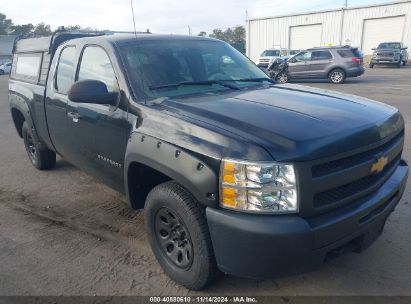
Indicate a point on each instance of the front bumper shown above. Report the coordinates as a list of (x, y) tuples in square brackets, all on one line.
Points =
[(385, 60), (264, 246)]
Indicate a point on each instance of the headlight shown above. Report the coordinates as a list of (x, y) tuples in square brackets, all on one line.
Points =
[(258, 187)]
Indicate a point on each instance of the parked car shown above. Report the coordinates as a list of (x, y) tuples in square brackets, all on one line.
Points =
[(332, 63), (390, 53), (233, 172), (5, 68), (278, 70), (270, 55)]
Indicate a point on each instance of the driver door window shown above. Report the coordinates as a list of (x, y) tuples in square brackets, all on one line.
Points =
[(96, 65), (302, 57)]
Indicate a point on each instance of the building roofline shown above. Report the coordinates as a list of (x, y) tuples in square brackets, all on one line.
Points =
[(329, 10)]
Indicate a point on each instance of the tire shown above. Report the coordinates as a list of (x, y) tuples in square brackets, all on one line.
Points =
[(336, 76), (1, 72), (41, 157), (398, 65), (282, 78), (178, 233), (371, 66)]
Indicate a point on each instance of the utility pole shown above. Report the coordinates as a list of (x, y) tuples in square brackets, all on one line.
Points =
[(189, 30)]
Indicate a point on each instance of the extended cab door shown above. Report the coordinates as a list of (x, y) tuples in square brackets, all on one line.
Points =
[(98, 132), (59, 82), (299, 65)]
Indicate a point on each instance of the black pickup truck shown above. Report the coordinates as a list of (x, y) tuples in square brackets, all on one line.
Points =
[(234, 172)]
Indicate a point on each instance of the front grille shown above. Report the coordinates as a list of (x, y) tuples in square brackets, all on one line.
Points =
[(369, 182), (343, 181), (350, 161), (386, 54)]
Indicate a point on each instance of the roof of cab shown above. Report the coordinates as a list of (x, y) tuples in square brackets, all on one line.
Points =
[(126, 38)]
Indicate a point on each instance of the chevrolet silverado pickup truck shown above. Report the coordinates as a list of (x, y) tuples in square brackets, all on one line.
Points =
[(236, 174)]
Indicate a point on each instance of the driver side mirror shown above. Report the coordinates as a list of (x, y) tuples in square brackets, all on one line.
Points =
[(292, 60), (92, 91)]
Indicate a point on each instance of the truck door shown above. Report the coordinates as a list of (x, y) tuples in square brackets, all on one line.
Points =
[(98, 132), (299, 65), (58, 85)]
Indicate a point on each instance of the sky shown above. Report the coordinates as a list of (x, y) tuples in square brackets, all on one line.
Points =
[(160, 16)]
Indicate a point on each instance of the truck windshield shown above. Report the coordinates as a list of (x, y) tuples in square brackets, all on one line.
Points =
[(170, 68), (270, 53), (389, 45)]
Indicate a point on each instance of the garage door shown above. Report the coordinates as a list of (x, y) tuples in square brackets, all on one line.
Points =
[(305, 36), (380, 30)]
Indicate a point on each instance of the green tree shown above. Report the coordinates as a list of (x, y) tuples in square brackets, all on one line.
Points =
[(23, 29), (234, 36), (5, 24), (202, 34), (42, 29)]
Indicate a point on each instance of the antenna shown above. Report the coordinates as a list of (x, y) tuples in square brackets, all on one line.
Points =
[(134, 20)]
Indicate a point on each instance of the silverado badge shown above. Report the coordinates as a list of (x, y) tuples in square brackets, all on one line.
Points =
[(379, 165)]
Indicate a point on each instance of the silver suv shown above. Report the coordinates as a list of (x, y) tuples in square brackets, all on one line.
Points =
[(390, 53), (333, 63)]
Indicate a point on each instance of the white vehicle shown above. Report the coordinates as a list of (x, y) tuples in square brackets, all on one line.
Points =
[(268, 56), (5, 68)]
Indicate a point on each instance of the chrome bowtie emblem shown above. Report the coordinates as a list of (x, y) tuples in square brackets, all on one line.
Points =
[(379, 165)]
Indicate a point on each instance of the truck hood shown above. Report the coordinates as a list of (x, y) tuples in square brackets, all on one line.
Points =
[(294, 122)]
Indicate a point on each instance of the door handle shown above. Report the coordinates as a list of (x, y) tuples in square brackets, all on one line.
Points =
[(74, 115)]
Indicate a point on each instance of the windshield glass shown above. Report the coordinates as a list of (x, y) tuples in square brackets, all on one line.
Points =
[(390, 45), (270, 53), (201, 66)]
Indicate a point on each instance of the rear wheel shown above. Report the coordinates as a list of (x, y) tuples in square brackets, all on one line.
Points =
[(42, 158), (337, 76), (178, 234)]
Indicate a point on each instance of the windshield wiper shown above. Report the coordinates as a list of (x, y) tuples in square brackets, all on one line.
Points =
[(205, 82), (251, 80)]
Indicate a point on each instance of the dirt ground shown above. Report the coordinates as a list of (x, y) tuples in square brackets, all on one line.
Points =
[(64, 233)]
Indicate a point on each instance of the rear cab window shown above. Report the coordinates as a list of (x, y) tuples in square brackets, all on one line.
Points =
[(65, 70)]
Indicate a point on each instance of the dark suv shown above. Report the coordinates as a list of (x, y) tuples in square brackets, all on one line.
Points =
[(390, 53), (333, 63)]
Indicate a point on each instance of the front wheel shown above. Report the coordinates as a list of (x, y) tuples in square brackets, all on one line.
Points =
[(337, 76), (178, 233), (1, 72), (41, 157), (282, 78)]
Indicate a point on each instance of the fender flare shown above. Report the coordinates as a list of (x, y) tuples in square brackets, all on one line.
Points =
[(18, 103), (176, 163)]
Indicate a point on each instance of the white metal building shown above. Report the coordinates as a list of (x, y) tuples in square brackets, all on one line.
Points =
[(364, 26)]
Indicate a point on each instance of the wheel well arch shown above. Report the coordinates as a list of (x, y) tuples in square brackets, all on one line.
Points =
[(18, 119), (336, 68), (141, 179)]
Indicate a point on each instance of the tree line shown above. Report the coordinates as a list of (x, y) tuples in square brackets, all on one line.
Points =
[(7, 27), (234, 36)]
